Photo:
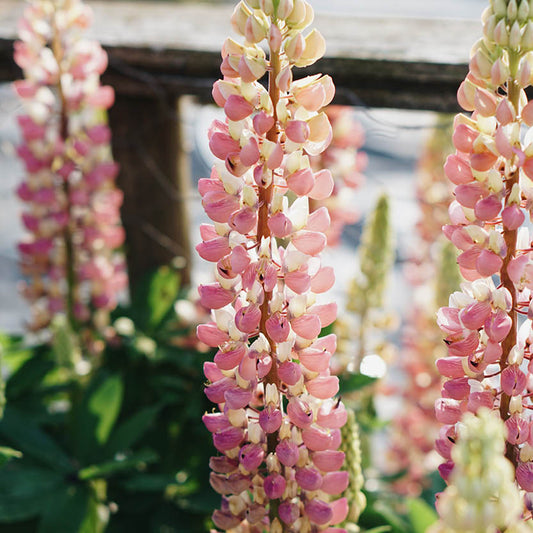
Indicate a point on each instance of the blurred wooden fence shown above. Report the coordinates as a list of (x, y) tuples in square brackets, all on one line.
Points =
[(161, 51)]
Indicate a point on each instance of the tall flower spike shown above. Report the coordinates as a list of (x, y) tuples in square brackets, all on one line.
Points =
[(278, 425), (481, 495), (489, 350), (72, 214)]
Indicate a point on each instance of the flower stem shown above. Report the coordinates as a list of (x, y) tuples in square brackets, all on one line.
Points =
[(263, 232), (510, 237)]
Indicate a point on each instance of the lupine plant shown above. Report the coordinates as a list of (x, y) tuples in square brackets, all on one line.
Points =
[(488, 323), (72, 205), (278, 425)]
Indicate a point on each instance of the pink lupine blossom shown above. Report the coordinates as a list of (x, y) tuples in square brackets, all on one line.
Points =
[(72, 205), (345, 161), (278, 424), (488, 323)]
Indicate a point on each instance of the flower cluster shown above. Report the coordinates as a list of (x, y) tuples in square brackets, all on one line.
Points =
[(488, 363), (482, 495), (72, 205), (346, 162), (278, 425)]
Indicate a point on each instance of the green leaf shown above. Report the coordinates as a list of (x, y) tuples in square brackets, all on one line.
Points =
[(25, 491), (32, 441), (93, 522), (420, 514), (380, 529), (68, 510), (148, 482), (154, 297), (118, 465), (104, 404), (29, 375), (354, 382), (131, 430), (6, 454)]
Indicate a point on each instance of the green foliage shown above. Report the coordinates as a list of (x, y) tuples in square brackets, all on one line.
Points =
[(6, 454), (128, 433), (154, 298), (354, 382), (420, 514)]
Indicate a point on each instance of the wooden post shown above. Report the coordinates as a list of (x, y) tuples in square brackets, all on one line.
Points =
[(154, 177)]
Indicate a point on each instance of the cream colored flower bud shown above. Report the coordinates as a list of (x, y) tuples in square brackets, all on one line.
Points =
[(515, 36), (237, 417), (527, 36), (512, 11), (499, 7), (256, 28), (294, 46), (276, 526), (480, 290), (236, 504), (488, 27), (285, 430), (496, 241), (255, 432), (284, 351), (241, 382), (297, 15), (523, 11), (516, 195), (271, 394), (526, 453), (298, 305), (515, 404), (480, 64), (477, 233), (260, 345), (272, 463), (249, 196), (257, 65), (239, 17), (499, 72), (267, 7), (255, 4), (308, 18), (259, 495), (501, 36), (315, 48), (285, 8), (495, 181)]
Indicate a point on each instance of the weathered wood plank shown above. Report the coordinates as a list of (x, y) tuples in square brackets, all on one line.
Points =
[(159, 47), (154, 177)]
